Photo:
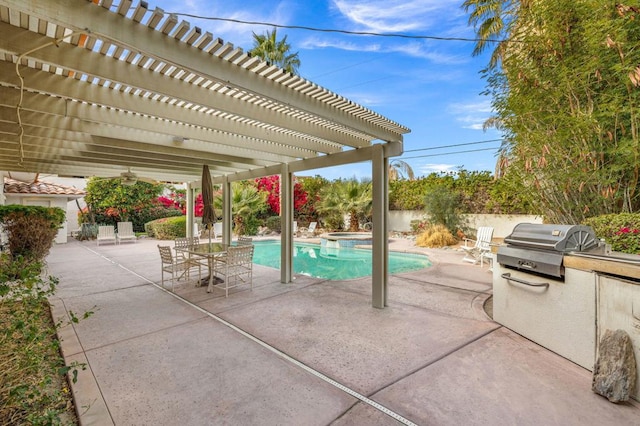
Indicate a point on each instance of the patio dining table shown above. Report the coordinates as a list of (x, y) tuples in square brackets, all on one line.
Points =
[(213, 252)]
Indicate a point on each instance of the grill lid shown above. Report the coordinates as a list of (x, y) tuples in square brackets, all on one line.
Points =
[(561, 238), (542, 262)]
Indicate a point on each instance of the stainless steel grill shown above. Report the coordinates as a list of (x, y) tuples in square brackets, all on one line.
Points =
[(540, 248)]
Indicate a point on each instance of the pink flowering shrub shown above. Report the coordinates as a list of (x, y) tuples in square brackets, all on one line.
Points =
[(622, 231), (626, 240)]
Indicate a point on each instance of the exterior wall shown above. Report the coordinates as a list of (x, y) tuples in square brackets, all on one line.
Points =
[(503, 224), (72, 207), (400, 220), (39, 200)]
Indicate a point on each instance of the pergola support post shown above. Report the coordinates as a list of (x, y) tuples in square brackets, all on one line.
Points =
[(380, 249), (2, 196), (286, 225), (227, 211), (190, 210)]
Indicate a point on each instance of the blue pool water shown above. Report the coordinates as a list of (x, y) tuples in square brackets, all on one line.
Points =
[(334, 264)]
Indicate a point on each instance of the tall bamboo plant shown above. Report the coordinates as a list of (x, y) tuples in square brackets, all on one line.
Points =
[(565, 94)]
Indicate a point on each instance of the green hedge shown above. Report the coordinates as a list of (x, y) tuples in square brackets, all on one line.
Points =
[(622, 231), (168, 228), (137, 217)]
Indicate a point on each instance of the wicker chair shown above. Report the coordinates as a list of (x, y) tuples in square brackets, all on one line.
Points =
[(237, 268), (178, 268), (245, 241)]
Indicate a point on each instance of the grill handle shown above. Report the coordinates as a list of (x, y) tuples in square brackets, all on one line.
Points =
[(507, 276)]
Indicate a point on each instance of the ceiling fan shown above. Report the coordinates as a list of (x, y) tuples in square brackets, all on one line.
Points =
[(129, 178)]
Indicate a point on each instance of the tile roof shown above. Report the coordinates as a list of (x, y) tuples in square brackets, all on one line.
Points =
[(12, 186)]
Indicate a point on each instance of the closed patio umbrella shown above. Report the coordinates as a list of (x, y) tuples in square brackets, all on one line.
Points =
[(208, 214)]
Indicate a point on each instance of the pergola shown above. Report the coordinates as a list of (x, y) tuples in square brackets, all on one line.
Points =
[(89, 88)]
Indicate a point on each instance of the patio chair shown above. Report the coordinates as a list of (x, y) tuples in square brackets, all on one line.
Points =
[(310, 231), (185, 242), (125, 232), (481, 245), (106, 234), (217, 230), (237, 269), (178, 268), (245, 241)]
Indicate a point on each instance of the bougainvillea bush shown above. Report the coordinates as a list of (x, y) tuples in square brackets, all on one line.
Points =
[(271, 185), (622, 231)]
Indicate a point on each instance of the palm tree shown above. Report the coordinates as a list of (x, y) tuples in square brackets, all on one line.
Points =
[(491, 20), (399, 169), (275, 52), (246, 202), (347, 197)]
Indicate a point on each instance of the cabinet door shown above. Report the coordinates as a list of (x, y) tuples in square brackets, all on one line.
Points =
[(619, 309), (561, 317)]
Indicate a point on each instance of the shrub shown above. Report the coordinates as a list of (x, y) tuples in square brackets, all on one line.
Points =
[(34, 388), (273, 223), (442, 206), (31, 229), (139, 218), (622, 231), (247, 226), (436, 236), (168, 228), (418, 226)]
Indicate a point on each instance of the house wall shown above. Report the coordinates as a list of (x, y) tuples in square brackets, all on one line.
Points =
[(72, 206)]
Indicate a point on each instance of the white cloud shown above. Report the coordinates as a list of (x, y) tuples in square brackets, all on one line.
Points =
[(471, 115), (415, 49), (239, 34), (369, 100), (314, 43), (426, 169), (394, 15)]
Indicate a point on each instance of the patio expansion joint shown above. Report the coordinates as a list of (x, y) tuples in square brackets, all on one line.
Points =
[(252, 302), (112, 290), (438, 359), (149, 333), (446, 286)]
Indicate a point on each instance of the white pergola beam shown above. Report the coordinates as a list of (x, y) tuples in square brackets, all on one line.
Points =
[(52, 138), (66, 88), (90, 117), (96, 65)]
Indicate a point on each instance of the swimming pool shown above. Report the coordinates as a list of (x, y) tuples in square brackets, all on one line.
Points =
[(332, 263)]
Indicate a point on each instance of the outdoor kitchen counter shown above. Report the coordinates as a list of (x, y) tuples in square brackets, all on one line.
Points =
[(616, 264)]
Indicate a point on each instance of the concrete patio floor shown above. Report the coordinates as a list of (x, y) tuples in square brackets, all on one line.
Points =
[(313, 352)]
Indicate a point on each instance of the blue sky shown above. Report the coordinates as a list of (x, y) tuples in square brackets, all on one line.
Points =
[(433, 87)]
